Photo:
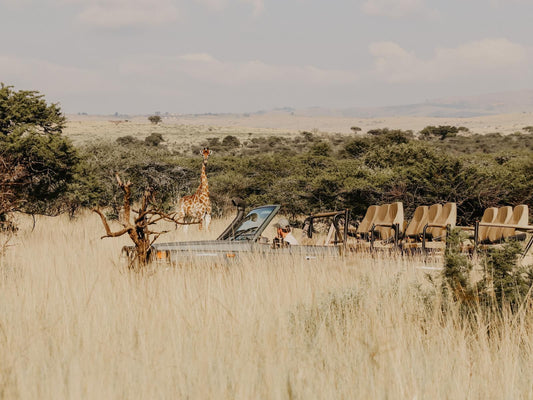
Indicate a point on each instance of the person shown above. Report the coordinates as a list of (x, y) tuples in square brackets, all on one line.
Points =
[(284, 233)]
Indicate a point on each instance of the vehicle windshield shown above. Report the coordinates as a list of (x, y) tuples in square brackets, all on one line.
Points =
[(252, 222)]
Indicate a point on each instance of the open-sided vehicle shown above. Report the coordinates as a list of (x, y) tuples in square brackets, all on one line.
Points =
[(247, 234)]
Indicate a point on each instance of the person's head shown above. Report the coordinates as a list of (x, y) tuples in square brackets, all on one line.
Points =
[(283, 225)]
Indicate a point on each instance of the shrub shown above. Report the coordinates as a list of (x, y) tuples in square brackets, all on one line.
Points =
[(505, 282), (127, 140), (154, 119), (441, 132), (357, 147), (154, 139), (322, 149), (231, 142)]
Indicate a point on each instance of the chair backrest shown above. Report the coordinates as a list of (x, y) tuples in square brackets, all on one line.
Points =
[(417, 223), (520, 217), (489, 216), (434, 212), (504, 215), (394, 216), (366, 224), (448, 216), (396, 213), (382, 217), (397, 216)]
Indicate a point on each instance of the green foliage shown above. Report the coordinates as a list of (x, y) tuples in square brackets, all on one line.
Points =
[(231, 142), (457, 269), (308, 136), (127, 140), (328, 172), (440, 132), (154, 139), (31, 138), (321, 149), (28, 108), (528, 129), (505, 282), (147, 166), (357, 147), (155, 119)]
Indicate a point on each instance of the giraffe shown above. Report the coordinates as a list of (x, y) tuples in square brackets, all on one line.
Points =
[(197, 206)]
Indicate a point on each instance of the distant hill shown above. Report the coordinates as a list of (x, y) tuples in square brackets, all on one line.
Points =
[(451, 107)]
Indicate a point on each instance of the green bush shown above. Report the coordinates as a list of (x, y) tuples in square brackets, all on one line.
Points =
[(154, 139), (440, 132), (30, 138), (231, 142)]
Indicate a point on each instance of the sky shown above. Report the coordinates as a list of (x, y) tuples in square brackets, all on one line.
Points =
[(217, 56)]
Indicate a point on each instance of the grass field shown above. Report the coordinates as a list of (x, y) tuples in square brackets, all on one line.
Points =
[(193, 129), (75, 324)]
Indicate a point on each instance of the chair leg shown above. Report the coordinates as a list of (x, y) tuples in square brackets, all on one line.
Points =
[(528, 246)]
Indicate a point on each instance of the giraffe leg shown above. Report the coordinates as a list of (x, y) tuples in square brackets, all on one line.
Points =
[(207, 219)]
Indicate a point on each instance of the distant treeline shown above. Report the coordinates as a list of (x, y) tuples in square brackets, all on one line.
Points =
[(317, 171)]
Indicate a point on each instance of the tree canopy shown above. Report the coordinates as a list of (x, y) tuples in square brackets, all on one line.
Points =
[(28, 108), (31, 140)]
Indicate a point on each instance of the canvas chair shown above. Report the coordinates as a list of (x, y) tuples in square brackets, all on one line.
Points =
[(435, 232), (489, 216), (519, 218), (500, 224), (388, 225), (434, 213), (416, 226), (505, 226), (447, 217), (412, 236), (365, 226), (382, 216), (495, 233), (364, 229)]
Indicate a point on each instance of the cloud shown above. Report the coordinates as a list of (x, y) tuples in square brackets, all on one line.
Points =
[(48, 77), (204, 67), (116, 14), (396, 8), (477, 58), (218, 5)]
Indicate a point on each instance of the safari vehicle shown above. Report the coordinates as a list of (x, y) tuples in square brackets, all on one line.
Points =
[(247, 234)]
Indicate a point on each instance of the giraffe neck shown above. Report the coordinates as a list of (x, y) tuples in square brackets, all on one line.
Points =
[(204, 187)]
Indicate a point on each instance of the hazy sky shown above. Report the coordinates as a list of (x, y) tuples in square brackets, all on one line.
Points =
[(195, 56)]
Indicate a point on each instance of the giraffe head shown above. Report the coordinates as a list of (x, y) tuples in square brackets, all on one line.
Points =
[(205, 154)]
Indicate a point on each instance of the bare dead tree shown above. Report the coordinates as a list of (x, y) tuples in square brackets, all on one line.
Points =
[(138, 223)]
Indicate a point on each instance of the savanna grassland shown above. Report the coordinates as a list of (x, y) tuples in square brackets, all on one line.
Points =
[(76, 324)]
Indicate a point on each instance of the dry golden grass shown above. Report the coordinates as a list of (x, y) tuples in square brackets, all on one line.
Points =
[(74, 324)]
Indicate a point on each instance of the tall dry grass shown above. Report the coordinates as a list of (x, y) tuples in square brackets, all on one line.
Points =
[(75, 324)]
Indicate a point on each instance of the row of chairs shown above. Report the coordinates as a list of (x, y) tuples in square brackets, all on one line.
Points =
[(384, 226), (500, 224)]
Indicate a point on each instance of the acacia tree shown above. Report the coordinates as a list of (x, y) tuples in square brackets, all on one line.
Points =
[(31, 140), (138, 224), (155, 119)]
